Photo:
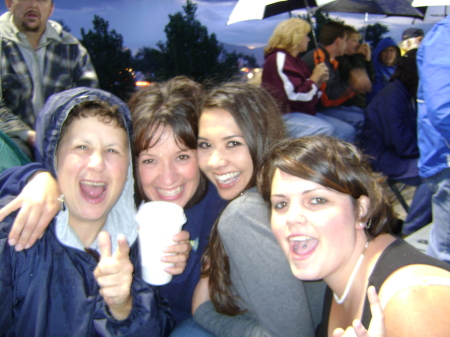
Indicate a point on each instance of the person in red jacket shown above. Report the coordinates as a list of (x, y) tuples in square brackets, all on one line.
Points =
[(289, 79)]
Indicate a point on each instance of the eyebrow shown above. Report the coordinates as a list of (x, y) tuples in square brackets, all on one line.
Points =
[(304, 192), (225, 138)]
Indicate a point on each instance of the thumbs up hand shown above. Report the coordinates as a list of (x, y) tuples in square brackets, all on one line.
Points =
[(114, 274)]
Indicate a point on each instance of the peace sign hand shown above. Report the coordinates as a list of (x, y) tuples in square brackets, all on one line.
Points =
[(114, 274), (376, 327)]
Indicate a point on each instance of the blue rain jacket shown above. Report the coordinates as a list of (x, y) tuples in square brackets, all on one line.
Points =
[(49, 289), (383, 72), (389, 133), (433, 97)]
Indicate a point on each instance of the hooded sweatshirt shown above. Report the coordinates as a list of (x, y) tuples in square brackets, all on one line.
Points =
[(30, 76), (49, 289), (382, 72)]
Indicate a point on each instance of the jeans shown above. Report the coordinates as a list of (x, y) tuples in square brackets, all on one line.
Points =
[(300, 125), (352, 115), (190, 328), (419, 214), (439, 242)]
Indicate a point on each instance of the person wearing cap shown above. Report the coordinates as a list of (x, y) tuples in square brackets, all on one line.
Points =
[(411, 39)]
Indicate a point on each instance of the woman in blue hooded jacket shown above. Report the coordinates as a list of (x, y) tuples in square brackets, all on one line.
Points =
[(385, 57), (83, 278)]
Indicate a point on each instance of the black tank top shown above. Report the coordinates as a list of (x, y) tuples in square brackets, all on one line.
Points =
[(397, 255)]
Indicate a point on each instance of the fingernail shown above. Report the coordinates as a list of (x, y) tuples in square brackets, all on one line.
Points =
[(27, 246), (18, 247), (12, 242), (164, 259)]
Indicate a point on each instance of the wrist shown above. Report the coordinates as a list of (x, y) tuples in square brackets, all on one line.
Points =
[(121, 311)]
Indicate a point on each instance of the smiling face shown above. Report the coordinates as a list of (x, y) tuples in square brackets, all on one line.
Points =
[(30, 15), (168, 172), (223, 153), (389, 55), (92, 162), (316, 227)]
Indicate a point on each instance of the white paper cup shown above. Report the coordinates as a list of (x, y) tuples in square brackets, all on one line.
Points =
[(158, 222)]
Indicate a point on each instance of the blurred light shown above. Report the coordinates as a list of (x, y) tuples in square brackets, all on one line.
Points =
[(142, 83), (250, 75)]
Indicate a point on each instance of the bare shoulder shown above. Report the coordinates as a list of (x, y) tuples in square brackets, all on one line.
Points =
[(416, 301)]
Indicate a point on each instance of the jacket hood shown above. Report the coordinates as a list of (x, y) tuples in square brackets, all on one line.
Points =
[(382, 45), (121, 218), (8, 30)]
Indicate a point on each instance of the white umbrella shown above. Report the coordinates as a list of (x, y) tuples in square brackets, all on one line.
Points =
[(255, 9), (425, 3), (249, 10)]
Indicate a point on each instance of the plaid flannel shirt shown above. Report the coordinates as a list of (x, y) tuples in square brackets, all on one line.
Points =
[(67, 65)]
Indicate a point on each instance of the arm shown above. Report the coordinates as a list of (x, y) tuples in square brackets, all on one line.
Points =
[(395, 115), (84, 74), (6, 281), (228, 326), (260, 272), (335, 90), (435, 78), (10, 124), (38, 202), (296, 84), (418, 311)]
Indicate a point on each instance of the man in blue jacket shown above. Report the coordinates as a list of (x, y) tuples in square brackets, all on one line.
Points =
[(433, 99)]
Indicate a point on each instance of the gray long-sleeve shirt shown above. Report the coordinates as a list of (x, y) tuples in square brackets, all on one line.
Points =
[(277, 303)]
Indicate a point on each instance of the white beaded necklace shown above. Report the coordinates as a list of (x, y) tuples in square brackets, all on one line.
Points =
[(340, 300)]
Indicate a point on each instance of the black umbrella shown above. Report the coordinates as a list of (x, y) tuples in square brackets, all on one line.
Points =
[(287, 6), (383, 7), (290, 5)]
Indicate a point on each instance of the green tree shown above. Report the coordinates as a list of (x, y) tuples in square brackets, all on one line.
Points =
[(374, 33), (191, 51), (146, 61), (111, 60)]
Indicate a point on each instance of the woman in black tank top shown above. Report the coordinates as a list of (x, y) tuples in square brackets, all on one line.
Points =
[(332, 216)]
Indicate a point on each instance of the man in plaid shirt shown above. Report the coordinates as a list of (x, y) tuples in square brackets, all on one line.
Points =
[(38, 59)]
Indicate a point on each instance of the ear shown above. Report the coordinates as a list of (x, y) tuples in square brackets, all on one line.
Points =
[(53, 8), (363, 204), (8, 4)]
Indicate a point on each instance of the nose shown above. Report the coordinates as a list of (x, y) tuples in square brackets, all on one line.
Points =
[(295, 216), (96, 161), (217, 159), (168, 174)]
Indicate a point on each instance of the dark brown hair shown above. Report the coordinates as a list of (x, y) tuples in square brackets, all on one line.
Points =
[(331, 31), (336, 165), (105, 112), (406, 72), (173, 104), (257, 115)]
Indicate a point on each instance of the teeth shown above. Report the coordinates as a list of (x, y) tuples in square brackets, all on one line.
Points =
[(225, 177), (170, 193), (300, 238), (93, 183)]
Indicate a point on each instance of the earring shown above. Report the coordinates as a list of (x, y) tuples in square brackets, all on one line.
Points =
[(61, 199), (369, 223)]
